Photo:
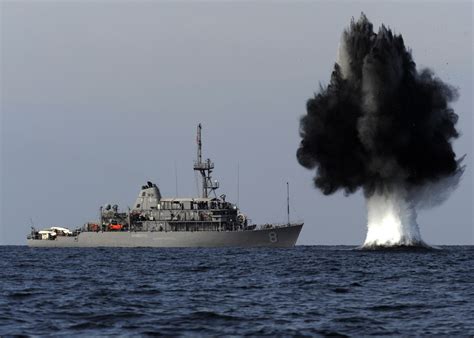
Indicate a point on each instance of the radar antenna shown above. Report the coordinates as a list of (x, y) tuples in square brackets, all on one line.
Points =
[(205, 168)]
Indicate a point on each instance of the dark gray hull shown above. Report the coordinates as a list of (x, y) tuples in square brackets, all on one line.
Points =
[(277, 237)]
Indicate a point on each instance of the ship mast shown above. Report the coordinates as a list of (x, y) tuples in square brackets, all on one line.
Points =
[(288, 201), (205, 168)]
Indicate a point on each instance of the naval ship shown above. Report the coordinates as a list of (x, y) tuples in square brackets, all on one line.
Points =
[(155, 221)]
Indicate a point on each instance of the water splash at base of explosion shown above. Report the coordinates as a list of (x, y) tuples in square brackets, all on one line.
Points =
[(392, 219)]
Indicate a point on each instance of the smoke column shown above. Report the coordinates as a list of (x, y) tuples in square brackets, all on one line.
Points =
[(386, 127)]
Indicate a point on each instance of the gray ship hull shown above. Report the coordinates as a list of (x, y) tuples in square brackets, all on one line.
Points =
[(276, 237)]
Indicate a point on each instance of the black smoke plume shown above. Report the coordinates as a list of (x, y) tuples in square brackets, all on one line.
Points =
[(386, 127), (379, 120)]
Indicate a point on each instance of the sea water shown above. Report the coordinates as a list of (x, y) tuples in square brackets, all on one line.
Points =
[(306, 290)]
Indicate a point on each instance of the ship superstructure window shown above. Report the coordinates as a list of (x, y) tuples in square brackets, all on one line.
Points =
[(138, 205), (143, 194)]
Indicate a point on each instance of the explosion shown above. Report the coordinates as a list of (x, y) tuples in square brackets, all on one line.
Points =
[(386, 127)]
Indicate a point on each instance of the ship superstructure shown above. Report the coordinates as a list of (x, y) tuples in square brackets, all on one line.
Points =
[(208, 220)]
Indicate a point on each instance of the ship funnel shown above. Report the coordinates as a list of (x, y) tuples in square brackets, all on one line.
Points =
[(148, 198)]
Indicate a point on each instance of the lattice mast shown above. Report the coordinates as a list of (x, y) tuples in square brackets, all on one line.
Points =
[(205, 168)]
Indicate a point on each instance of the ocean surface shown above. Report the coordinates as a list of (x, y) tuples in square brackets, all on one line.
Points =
[(306, 290)]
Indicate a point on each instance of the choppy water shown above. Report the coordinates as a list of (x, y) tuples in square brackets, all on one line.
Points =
[(305, 290)]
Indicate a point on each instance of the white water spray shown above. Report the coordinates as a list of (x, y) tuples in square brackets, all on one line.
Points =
[(391, 210), (392, 219)]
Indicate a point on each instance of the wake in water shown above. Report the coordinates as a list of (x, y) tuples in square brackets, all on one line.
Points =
[(386, 127)]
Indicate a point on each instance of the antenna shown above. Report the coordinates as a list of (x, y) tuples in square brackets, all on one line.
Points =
[(288, 201), (199, 143), (238, 185), (175, 179)]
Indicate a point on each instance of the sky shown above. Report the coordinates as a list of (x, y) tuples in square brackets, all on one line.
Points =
[(98, 97)]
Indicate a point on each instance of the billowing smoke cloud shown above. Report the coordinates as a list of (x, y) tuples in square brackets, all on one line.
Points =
[(383, 126)]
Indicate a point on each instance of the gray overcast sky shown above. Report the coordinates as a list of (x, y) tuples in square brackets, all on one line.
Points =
[(98, 97)]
